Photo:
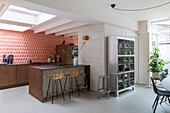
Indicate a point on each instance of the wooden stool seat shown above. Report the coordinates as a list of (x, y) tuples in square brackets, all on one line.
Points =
[(67, 75), (55, 77)]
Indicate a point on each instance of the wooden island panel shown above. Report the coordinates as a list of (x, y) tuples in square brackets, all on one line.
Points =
[(35, 83)]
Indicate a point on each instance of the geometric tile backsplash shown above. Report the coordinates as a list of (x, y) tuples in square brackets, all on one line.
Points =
[(27, 45)]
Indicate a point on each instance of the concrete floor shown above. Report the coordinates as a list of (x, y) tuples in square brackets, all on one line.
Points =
[(17, 100)]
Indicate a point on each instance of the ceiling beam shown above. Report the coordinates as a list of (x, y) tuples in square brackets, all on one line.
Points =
[(74, 36), (3, 8), (15, 23), (67, 32), (55, 22), (65, 27), (71, 34)]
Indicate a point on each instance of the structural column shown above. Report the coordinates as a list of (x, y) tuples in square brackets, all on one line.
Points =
[(143, 53)]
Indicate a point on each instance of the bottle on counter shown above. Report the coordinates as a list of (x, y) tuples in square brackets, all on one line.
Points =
[(28, 61), (49, 59)]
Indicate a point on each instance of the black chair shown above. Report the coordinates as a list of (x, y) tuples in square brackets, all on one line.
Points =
[(159, 93), (164, 76)]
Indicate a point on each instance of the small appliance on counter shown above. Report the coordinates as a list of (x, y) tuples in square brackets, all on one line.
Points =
[(8, 60), (4, 59)]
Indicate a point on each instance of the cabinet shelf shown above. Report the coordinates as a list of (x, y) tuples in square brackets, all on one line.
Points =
[(126, 55)]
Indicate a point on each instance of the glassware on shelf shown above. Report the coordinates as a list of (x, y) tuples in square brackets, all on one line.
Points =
[(132, 63), (127, 51), (126, 45), (131, 44), (126, 64), (120, 51), (121, 64), (121, 43)]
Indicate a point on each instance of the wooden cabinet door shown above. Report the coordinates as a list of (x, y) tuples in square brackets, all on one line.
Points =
[(8, 75), (65, 52), (22, 74)]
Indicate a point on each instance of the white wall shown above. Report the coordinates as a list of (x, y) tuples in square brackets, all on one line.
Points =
[(111, 30), (93, 51)]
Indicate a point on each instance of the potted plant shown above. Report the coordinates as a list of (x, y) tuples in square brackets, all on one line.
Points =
[(156, 65)]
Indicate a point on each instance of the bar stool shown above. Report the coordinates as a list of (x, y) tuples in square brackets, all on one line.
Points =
[(57, 76), (103, 89), (74, 73)]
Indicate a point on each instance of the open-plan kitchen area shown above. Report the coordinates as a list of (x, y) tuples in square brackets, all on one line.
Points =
[(84, 56)]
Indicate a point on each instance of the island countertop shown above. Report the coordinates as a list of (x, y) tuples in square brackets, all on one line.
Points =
[(48, 67), (38, 77)]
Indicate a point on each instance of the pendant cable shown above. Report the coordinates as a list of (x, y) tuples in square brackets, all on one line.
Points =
[(114, 5)]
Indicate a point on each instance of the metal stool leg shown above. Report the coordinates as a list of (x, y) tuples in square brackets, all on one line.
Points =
[(57, 88), (69, 87), (108, 95), (48, 89), (65, 82), (98, 88), (103, 84), (52, 91), (62, 90), (77, 86)]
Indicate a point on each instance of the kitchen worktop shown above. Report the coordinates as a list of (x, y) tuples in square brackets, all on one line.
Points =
[(47, 67), (2, 64)]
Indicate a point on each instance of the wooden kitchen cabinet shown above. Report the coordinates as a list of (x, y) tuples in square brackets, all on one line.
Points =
[(16, 74), (22, 73), (65, 53), (8, 75)]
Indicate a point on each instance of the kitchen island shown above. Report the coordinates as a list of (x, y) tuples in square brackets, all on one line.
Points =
[(38, 81)]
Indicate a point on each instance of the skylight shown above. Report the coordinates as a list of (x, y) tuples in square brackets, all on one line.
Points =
[(23, 10), (13, 27), (25, 16)]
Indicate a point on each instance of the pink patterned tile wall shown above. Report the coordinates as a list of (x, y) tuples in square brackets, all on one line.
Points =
[(27, 45)]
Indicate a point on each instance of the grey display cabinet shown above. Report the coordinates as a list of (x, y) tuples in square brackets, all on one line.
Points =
[(121, 63)]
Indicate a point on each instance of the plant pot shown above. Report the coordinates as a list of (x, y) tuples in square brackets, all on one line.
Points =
[(156, 75), (75, 61)]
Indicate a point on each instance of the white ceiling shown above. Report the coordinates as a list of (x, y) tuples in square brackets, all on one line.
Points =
[(82, 13), (154, 14), (21, 19)]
